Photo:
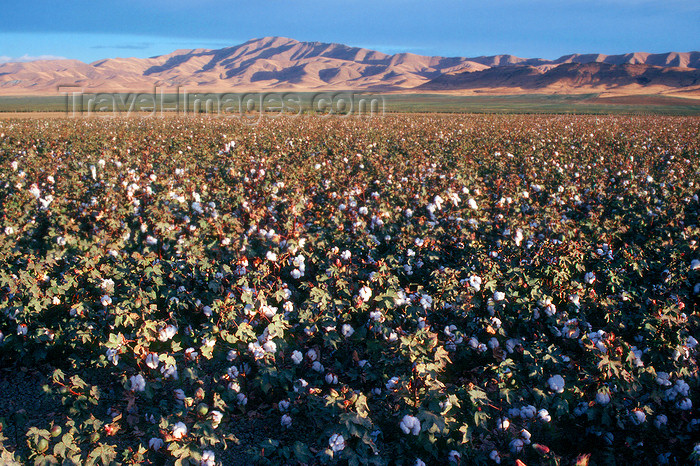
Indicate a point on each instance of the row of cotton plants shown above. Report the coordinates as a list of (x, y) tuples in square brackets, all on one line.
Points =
[(398, 290)]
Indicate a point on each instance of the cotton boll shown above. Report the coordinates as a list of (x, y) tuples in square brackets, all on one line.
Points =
[(516, 446), (638, 417), (660, 421), (410, 425), (179, 430), (556, 383), (602, 398), (336, 443)]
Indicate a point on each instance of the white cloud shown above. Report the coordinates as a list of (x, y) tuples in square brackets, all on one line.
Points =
[(25, 58)]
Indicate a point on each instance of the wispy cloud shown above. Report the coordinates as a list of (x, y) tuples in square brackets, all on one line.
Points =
[(135, 46), (26, 58)]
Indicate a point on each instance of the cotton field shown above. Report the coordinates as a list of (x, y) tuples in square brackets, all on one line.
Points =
[(410, 290)]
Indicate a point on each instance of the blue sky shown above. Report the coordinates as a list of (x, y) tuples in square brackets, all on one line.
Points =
[(89, 30)]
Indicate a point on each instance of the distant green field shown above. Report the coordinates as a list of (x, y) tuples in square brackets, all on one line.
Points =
[(340, 103)]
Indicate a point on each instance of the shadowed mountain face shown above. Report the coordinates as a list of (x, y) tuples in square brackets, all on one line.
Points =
[(572, 75), (276, 63)]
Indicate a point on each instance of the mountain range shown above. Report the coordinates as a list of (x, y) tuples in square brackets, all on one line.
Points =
[(277, 63)]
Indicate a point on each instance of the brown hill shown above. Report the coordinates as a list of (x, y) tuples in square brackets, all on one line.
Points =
[(572, 76), (277, 63)]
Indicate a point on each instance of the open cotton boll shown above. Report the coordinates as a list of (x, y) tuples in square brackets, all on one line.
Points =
[(336, 443), (556, 383), (410, 425)]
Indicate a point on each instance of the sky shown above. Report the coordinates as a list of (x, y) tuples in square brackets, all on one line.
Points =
[(90, 30)]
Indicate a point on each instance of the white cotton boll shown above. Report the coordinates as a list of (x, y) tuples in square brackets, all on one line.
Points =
[(550, 309), (525, 435), (518, 238), (312, 355), (268, 311), (472, 204), (556, 383), (112, 354), (138, 383), (601, 347), (331, 379), (638, 416), (155, 443), (499, 296), (106, 300), (495, 457), (685, 404), (152, 361), (575, 300), (179, 430), (208, 458), (317, 366), (516, 446), (286, 421), (169, 371), (336, 443), (35, 191), (475, 282), (662, 378), (454, 456), (502, 423), (347, 330), (297, 357), (271, 256), (660, 421), (256, 350), (543, 415), (167, 333), (365, 293), (602, 398), (392, 383), (589, 278), (270, 347), (410, 424)]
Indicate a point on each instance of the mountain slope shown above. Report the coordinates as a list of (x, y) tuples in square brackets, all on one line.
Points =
[(277, 63), (572, 75)]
